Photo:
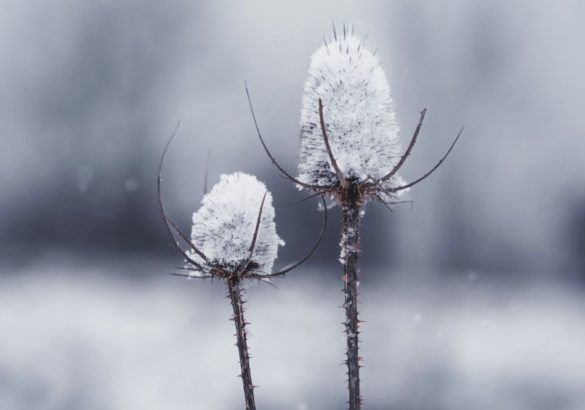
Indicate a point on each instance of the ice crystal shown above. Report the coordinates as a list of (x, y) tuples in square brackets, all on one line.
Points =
[(223, 228), (359, 116)]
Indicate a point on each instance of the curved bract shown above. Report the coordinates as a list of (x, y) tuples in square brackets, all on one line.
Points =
[(235, 226), (359, 117)]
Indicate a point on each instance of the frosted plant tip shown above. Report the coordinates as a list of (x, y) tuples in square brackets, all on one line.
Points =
[(350, 145), (357, 111), (234, 227)]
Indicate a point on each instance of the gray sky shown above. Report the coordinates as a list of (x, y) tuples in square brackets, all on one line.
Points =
[(89, 91)]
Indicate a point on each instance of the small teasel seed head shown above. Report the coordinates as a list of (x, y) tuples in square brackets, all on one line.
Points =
[(223, 228), (358, 112)]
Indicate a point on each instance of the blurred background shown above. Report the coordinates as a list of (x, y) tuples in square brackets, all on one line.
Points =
[(474, 298)]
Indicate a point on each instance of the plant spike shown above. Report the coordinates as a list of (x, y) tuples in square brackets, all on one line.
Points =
[(183, 236), (165, 219), (340, 176), (177, 244), (407, 152), (433, 169), (276, 164), (298, 263), (255, 236)]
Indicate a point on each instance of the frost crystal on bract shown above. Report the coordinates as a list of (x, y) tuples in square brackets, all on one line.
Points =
[(223, 228), (359, 116)]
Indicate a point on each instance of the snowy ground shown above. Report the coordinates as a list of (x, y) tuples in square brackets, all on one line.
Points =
[(84, 338)]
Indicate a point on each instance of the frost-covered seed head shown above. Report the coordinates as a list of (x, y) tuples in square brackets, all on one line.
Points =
[(223, 228), (359, 116)]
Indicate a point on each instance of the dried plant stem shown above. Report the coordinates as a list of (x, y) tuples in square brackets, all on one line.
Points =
[(235, 296), (351, 210)]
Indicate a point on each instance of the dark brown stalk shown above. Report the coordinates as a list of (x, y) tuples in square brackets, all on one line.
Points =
[(235, 295), (350, 248)]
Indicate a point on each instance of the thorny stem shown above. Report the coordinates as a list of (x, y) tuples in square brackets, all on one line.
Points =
[(235, 295), (350, 248)]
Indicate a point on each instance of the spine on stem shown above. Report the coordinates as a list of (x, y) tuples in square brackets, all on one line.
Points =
[(349, 258), (235, 295)]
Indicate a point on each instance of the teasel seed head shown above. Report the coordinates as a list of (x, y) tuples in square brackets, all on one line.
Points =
[(224, 226), (349, 84)]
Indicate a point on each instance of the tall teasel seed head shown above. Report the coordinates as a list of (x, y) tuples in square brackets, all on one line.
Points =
[(223, 228), (359, 116)]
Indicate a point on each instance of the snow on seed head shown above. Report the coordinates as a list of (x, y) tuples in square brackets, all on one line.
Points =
[(358, 111), (223, 228)]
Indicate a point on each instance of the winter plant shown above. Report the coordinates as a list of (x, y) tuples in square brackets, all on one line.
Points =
[(234, 240), (350, 152)]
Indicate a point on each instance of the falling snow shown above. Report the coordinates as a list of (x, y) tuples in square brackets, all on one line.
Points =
[(223, 228)]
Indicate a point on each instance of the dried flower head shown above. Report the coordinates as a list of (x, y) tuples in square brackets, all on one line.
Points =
[(360, 120), (349, 132), (226, 222), (233, 235)]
